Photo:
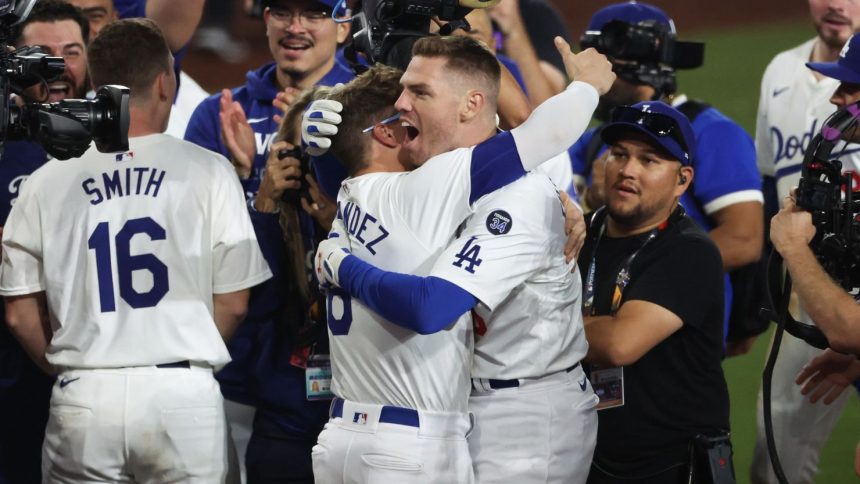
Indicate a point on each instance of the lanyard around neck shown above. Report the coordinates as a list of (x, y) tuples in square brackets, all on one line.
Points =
[(623, 276)]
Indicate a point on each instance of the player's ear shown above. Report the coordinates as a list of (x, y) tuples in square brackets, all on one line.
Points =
[(385, 135), (473, 104)]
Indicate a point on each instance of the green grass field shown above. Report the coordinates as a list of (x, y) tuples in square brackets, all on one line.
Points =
[(734, 63)]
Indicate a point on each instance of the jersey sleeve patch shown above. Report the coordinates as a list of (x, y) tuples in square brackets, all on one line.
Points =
[(499, 222)]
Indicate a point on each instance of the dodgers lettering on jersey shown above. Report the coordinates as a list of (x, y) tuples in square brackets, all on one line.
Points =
[(142, 253), (401, 222), (510, 256), (793, 106)]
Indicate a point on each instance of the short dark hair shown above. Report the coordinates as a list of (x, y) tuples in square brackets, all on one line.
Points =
[(52, 11), (465, 56), (131, 52), (366, 100)]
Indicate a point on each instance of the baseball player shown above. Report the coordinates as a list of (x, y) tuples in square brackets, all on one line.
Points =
[(403, 414), (123, 273), (793, 105), (535, 410)]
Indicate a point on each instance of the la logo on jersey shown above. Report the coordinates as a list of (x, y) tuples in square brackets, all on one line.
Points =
[(359, 418)]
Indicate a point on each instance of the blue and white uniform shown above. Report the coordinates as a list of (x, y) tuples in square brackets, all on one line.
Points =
[(392, 377), (130, 250), (793, 105)]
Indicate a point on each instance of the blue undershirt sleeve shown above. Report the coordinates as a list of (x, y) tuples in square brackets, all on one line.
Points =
[(495, 163), (425, 305)]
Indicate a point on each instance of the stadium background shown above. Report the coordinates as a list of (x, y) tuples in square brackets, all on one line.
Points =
[(741, 37)]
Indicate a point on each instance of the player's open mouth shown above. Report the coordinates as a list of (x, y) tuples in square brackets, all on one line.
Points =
[(411, 132)]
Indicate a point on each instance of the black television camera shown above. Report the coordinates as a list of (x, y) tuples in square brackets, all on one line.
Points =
[(834, 202), (820, 191), (650, 52), (386, 29), (64, 128)]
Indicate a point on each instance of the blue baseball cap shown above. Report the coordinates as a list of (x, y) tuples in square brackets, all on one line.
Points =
[(847, 67), (665, 125), (631, 12)]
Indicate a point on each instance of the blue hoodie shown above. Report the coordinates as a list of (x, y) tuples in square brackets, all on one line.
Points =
[(204, 127)]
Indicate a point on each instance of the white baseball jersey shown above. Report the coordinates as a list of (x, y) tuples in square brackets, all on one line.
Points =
[(400, 222), (510, 256), (793, 105), (559, 169), (130, 249)]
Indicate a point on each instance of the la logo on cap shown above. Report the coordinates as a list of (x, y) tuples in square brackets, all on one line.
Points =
[(844, 51)]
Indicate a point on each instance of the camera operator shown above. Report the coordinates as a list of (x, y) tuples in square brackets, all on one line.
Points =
[(834, 311), (61, 30), (792, 109)]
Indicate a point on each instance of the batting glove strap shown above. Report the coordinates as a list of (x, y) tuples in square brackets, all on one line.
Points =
[(330, 255), (319, 122)]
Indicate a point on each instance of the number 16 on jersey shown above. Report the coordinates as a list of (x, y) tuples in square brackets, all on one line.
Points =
[(127, 264)]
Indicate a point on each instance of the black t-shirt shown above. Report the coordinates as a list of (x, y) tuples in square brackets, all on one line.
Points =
[(677, 389), (543, 23)]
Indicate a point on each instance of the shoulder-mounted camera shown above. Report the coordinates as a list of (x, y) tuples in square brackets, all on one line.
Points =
[(645, 53), (65, 128)]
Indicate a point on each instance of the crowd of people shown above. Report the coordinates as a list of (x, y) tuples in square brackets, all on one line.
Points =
[(435, 274)]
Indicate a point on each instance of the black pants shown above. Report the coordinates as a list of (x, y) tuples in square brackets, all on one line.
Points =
[(275, 456)]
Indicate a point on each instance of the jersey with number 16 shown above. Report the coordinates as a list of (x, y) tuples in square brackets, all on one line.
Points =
[(130, 249)]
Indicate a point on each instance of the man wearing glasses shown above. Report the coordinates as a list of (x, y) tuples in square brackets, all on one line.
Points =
[(653, 305), (240, 123)]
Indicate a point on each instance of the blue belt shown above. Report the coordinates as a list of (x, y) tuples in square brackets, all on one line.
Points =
[(499, 384), (392, 415), (175, 364)]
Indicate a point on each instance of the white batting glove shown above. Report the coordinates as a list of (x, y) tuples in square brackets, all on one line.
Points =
[(330, 254), (319, 121)]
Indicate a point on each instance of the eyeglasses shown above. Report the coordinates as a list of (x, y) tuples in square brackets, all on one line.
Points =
[(308, 18), (394, 117), (657, 124)]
